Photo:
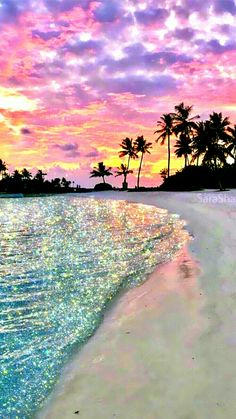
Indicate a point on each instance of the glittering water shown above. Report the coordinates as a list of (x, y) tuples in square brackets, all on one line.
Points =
[(61, 260)]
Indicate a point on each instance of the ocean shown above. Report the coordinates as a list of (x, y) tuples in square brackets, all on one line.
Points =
[(62, 260)]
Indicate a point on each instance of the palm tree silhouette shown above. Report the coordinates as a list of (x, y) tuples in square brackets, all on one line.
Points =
[(101, 171), (183, 123), (26, 174), (3, 168), (200, 139), (183, 148), (184, 127), (123, 171), (216, 152), (219, 126), (40, 176), (128, 149), (231, 147), (141, 146), (165, 131)]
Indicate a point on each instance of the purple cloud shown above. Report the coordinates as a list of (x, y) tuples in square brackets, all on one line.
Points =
[(25, 131), (222, 6), (94, 153), (184, 34), (82, 47), (61, 5), (151, 15), (67, 147), (107, 11), (11, 9), (138, 85), (215, 47), (138, 57), (45, 36), (73, 154)]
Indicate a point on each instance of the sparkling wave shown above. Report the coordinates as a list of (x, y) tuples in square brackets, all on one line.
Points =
[(62, 259)]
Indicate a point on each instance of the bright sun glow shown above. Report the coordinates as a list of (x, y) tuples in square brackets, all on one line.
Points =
[(14, 101)]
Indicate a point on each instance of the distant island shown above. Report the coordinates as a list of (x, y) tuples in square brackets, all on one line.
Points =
[(207, 147)]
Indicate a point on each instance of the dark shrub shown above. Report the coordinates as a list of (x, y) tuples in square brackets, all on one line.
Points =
[(103, 187)]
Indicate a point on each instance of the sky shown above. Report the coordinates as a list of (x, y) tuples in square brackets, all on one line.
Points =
[(78, 76)]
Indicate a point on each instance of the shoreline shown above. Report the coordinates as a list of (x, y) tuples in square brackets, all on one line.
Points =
[(162, 349)]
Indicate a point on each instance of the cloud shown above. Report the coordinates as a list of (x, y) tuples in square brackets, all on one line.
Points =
[(73, 154), (196, 5), (11, 9), (45, 36), (185, 34), (151, 15), (94, 153), (62, 5), (139, 85), (67, 147), (138, 57), (107, 11), (26, 131), (222, 6), (83, 47), (215, 47)]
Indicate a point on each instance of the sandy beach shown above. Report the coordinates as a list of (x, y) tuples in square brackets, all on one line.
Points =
[(166, 349)]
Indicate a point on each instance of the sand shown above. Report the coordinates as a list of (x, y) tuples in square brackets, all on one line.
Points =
[(166, 349)]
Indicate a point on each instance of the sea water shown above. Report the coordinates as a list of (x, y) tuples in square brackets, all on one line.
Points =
[(62, 260)]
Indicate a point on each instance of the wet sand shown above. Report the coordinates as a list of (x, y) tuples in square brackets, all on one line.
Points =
[(166, 349)]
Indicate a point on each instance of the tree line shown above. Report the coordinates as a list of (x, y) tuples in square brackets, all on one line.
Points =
[(24, 182), (210, 144)]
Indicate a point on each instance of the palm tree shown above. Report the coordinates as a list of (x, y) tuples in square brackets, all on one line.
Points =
[(17, 176), (141, 146), (183, 148), (217, 152), (123, 171), (65, 183), (26, 174), (183, 123), (219, 126), (3, 168), (101, 171), (165, 130), (56, 183), (164, 173), (40, 176), (184, 126), (200, 139), (231, 148), (128, 149)]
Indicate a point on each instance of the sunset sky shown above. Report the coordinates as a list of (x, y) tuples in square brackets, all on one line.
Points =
[(77, 76)]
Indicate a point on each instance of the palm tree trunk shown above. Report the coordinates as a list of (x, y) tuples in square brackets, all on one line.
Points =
[(128, 163), (197, 160), (125, 184), (103, 178), (185, 160), (168, 155), (139, 170), (217, 175)]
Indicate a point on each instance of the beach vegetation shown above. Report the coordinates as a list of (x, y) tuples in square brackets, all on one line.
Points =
[(208, 148), (101, 171), (123, 170), (3, 168), (142, 146), (165, 130)]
